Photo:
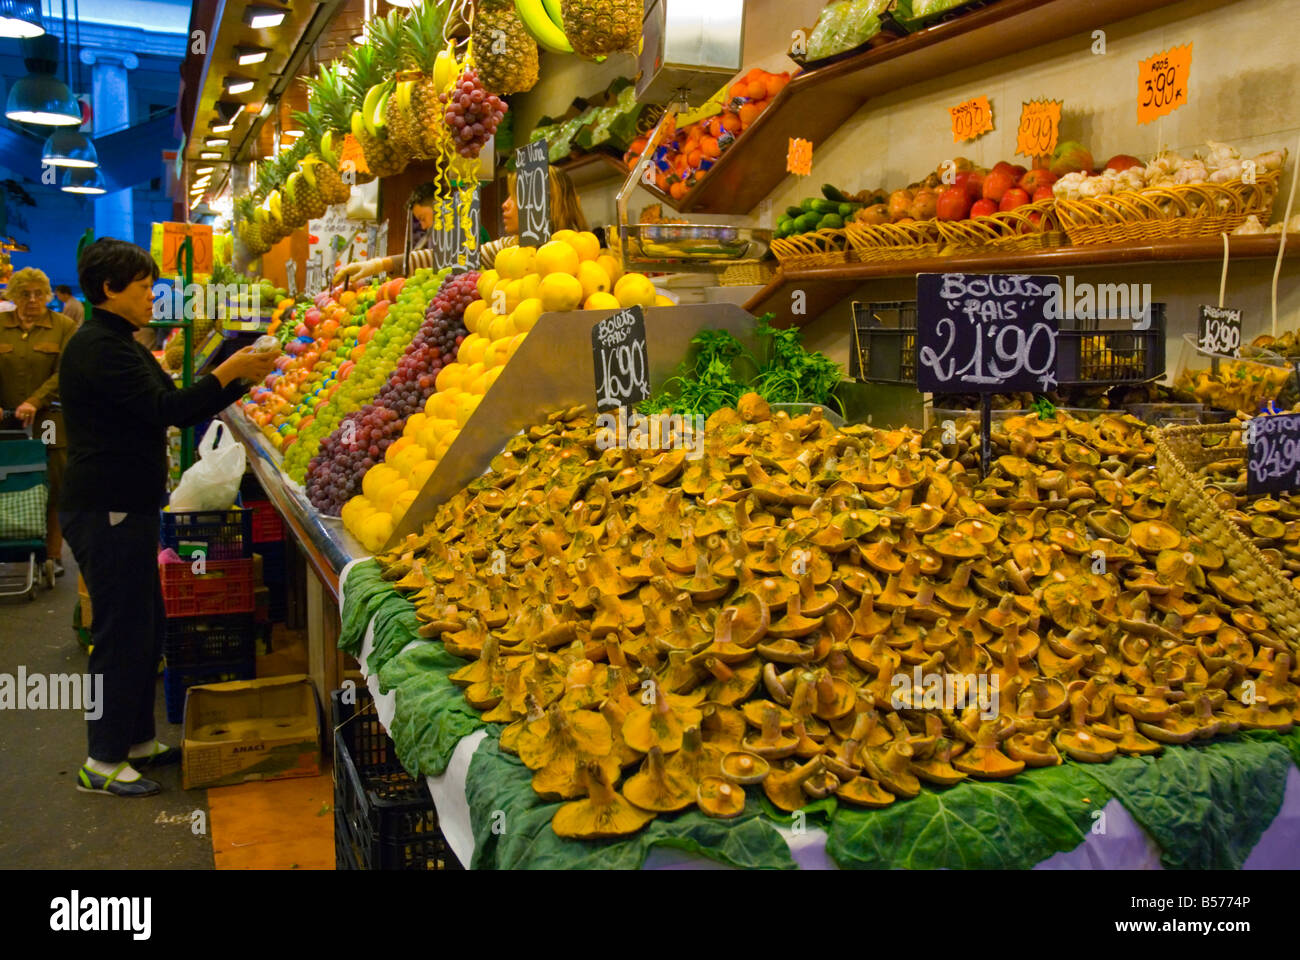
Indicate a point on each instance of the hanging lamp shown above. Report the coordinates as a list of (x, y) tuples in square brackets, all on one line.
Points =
[(84, 180), (20, 18), (41, 97), (69, 148)]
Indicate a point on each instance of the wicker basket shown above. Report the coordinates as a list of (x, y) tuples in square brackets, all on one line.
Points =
[(1168, 213), (1180, 451), (894, 241), (813, 249), (1034, 226), (746, 273)]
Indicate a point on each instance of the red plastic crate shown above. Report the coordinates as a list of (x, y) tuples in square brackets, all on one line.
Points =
[(226, 586), (268, 526)]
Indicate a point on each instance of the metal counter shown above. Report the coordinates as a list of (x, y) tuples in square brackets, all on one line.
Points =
[(324, 542)]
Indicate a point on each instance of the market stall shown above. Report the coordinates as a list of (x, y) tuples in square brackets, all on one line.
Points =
[(874, 544)]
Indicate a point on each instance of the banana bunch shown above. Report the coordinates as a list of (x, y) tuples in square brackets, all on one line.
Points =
[(545, 22)]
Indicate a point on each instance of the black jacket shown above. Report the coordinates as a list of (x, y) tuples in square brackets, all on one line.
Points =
[(117, 405)]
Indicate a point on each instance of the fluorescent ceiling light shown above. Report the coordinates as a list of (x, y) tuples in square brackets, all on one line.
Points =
[(223, 127), (202, 170), (209, 155), (263, 18), (291, 133), (250, 55), (236, 85), (266, 110), (403, 3), (216, 142)]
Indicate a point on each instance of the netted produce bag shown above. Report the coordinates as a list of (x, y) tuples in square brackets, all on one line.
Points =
[(843, 25)]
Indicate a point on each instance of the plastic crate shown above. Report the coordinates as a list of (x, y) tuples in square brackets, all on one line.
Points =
[(1095, 352), (195, 641), (389, 818), (268, 526), (225, 587), (177, 681), (221, 534), (274, 564)]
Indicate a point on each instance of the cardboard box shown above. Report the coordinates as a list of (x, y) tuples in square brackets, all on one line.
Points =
[(251, 730)]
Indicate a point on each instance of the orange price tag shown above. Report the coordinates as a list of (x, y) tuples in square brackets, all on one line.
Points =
[(1163, 83), (1040, 128), (970, 119), (174, 234), (798, 158)]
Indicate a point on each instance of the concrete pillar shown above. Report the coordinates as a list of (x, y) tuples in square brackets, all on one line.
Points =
[(110, 101)]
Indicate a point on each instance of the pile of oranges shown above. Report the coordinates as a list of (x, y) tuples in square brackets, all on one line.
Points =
[(685, 158)]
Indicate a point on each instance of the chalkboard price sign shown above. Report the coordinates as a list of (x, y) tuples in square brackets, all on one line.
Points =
[(1219, 330), (985, 333), (533, 193), (1273, 453), (619, 359)]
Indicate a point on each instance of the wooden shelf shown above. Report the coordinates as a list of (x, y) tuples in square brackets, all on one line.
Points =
[(826, 286), (816, 103), (594, 168)]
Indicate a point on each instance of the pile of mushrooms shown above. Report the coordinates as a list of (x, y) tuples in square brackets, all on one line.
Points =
[(656, 633)]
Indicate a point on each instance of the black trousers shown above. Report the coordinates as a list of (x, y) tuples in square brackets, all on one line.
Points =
[(120, 565)]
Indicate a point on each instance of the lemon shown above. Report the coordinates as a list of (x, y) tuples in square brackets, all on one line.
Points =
[(602, 301), (593, 278), (376, 478), (446, 443), (500, 300), (441, 427), (427, 438), (529, 284), (448, 377), (528, 257), (442, 405), (494, 372), (514, 295), (402, 504), (635, 289), (390, 492), (421, 473), (557, 257), (471, 349), (486, 281), (374, 531), (466, 403), (526, 314), (564, 236), (512, 263), (472, 313), (500, 327), (497, 353), (414, 424), (354, 510), (612, 267), (560, 291), (406, 460), (515, 341), (586, 244), (662, 301)]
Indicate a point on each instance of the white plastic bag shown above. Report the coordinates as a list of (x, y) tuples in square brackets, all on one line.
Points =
[(213, 481)]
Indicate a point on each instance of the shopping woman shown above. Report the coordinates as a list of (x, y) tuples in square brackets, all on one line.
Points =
[(565, 213), (32, 338), (118, 404)]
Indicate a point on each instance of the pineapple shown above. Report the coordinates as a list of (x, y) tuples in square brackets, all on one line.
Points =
[(504, 51), (601, 27), (365, 74), (316, 167), (293, 206), (388, 40), (250, 231), (424, 30), (331, 102)]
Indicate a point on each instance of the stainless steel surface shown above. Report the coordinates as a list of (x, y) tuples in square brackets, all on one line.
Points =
[(552, 370), (327, 546), (714, 246), (689, 45), (638, 169)]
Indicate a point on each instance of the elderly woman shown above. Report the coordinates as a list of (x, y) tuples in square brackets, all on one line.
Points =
[(32, 338)]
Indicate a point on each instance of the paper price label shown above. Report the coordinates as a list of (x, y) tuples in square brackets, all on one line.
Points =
[(1219, 331), (1040, 128), (798, 157), (1162, 83), (971, 119)]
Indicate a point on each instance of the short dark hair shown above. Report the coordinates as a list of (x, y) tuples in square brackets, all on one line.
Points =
[(63, 290), (114, 262)]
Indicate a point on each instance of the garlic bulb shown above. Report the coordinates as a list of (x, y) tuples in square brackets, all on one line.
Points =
[(1221, 154), (1163, 166), (1067, 187), (1191, 171), (1131, 179), (1272, 160), (1232, 171), (1097, 186)]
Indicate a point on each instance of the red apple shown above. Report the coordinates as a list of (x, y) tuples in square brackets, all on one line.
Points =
[(997, 183), (1042, 193), (1015, 197), (972, 182), (1038, 177), (953, 203), (1121, 162), (1018, 170), (1004, 167), (983, 208)]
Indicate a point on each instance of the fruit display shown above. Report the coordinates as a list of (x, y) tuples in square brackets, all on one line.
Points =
[(830, 211), (609, 122), (960, 190), (1238, 385), (844, 25), (670, 633), (1221, 164), (545, 21), (689, 151), (335, 474), (597, 28), (472, 113), (721, 371), (504, 50)]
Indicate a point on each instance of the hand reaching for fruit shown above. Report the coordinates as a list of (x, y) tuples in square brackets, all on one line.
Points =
[(246, 364), (362, 269)]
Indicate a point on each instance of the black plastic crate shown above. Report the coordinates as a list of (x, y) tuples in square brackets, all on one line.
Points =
[(196, 641), (1094, 352), (389, 817), (223, 534), (178, 680), (345, 858), (275, 566)]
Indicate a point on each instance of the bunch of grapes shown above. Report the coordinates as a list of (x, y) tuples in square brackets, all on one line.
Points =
[(472, 113), (364, 436)]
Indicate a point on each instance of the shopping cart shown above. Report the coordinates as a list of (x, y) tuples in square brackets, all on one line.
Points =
[(24, 494)]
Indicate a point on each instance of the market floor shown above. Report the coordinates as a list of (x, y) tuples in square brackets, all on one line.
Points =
[(45, 823)]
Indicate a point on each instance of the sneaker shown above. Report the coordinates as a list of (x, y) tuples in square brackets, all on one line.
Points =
[(88, 781), (161, 758)]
